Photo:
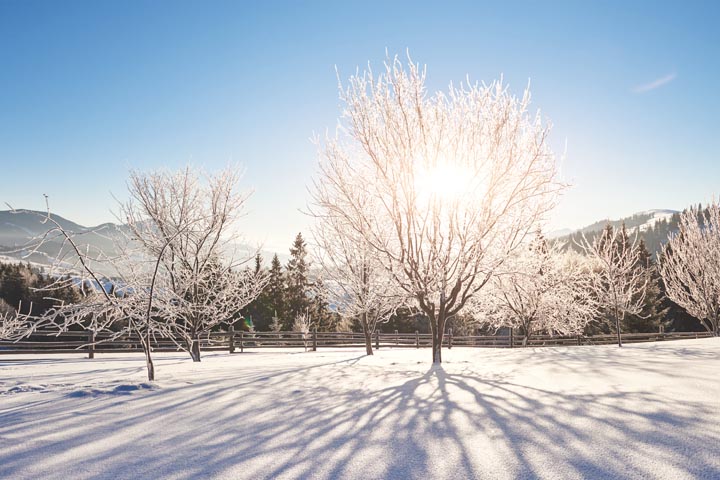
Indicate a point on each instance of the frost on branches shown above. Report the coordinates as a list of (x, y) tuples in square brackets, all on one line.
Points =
[(441, 186), (540, 288), (619, 279), (13, 324), (123, 307), (185, 219), (303, 324), (174, 276), (690, 265), (354, 279)]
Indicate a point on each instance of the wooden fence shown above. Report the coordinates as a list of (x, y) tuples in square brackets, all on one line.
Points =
[(238, 341)]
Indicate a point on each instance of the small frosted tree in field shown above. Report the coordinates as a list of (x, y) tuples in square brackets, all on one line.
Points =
[(275, 324), (441, 186), (130, 310), (302, 324), (619, 281), (189, 216), (690, 265), (355, 282), (540, 288)]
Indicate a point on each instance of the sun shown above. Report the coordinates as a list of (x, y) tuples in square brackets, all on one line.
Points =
[(443, 182)]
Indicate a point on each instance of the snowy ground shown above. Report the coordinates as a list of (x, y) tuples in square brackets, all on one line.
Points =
[(643, 411)]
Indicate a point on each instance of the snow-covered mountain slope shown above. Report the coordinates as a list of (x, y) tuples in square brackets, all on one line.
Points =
[(21, 230), (652, 226)]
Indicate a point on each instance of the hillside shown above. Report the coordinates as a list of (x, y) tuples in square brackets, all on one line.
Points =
[(21, 230), (652, 226)]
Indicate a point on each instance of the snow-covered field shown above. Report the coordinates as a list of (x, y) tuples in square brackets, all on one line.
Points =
[(643, 411)]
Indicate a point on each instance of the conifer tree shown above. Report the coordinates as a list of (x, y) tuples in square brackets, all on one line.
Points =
[(275, 293), (297, 286), (323, 318), (260, 312), (654, 312)]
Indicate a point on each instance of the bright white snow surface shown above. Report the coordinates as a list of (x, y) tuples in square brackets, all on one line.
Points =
[(643, 411)]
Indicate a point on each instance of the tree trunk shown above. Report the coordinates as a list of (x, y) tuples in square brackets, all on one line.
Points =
[(437, 339), (617, 328), (368, 335), (195, 348), (526, 333), (368, 341), (150, 365), (145, 345)]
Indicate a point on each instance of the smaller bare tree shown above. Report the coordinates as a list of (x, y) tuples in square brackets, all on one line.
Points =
[(276, 324), (690, 265), (302, 325), (540, 288), (354, 280), (190, 216), (131, 309), (619, 281)]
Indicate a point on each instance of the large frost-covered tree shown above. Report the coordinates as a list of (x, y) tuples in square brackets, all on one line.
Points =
[(540, 288), (186, 219), (690, 265), (619, 280), (456, 180)]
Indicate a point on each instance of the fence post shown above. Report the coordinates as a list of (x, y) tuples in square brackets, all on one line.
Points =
[(450, 339), (417, 339), (231, 338), (314, 339), (242, 344), (91, 344), (377, 339), (512, 340)]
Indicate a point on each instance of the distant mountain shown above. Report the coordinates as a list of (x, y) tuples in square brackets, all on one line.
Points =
[(653, 226), (20, 231)]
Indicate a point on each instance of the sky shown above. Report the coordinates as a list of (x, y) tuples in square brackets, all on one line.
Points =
[(89, 90)]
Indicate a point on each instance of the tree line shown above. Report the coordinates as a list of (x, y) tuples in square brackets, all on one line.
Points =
[(424, 208)]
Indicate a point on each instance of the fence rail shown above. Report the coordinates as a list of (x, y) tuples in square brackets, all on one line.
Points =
[(238, 341)]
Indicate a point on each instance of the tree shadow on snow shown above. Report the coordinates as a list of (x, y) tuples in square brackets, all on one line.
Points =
[(352, 419)]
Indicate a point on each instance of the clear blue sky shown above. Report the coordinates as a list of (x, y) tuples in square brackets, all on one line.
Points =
[(90, 89)]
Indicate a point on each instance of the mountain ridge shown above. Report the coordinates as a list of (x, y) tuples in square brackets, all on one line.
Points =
[(21, 228)]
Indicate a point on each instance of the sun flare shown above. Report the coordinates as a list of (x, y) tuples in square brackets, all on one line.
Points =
[(444, 182)]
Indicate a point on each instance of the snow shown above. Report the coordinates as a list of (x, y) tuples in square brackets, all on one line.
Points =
[(657, 215), (643, 411)]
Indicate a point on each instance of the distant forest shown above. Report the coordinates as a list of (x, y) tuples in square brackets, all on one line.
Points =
[(291, 289), (654, 236)]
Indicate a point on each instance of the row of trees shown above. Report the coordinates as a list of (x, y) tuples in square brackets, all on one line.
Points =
[(423, 204), (429, 200), (290, 292), (23, 287)]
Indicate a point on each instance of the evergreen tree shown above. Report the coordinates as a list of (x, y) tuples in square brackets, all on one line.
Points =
[(654, 312), (325, 320), (274, 294), (15, 286), (297, 286), (259, 312)]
